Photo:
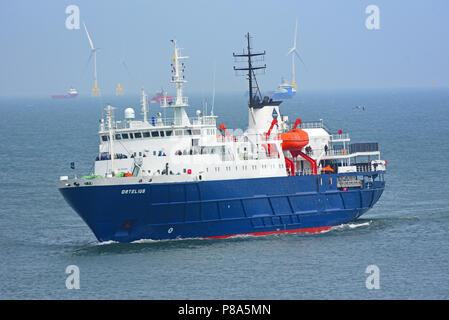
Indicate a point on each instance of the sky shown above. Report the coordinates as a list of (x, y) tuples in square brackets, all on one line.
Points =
[(39, 55)]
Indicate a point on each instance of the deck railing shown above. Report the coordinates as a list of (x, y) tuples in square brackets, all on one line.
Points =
[(161, 121), (304, 172), (312, 124), (337, 137), (336, 152), (184, 101)]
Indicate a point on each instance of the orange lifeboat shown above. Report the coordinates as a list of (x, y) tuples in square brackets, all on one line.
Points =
[(294, 140)]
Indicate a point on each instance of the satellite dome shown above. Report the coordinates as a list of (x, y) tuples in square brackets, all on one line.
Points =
[(129, 114)]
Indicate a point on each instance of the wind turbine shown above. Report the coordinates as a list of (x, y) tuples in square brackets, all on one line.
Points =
[(125, 65), (294, 52), (93, 51)]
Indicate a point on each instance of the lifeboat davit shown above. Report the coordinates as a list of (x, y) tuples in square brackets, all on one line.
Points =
[(293, 141)]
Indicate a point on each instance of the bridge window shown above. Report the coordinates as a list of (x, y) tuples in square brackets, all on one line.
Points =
[(104, 138), (146, 134), (118, 136), (155, 133), (168, 133), (137, 135), (124, 136), (187, 132)]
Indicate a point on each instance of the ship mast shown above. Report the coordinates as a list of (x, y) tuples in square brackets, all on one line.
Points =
[(261, 111), (111, 136), (255, 96), (180, 115), (144, 106)]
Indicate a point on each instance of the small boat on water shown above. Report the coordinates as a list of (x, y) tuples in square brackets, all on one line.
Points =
[(72, 93)]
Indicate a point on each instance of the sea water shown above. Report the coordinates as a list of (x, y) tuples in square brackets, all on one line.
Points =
[(405, 235)]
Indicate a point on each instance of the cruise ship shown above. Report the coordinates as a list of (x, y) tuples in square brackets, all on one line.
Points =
[(185, 177)]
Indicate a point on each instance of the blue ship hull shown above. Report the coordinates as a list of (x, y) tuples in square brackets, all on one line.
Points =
[(215, 209)]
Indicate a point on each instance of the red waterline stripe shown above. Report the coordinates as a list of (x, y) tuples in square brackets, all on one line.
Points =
[(265, 233)]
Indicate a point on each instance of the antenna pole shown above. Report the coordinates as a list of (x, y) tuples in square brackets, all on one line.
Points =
[(180, 102), (213, 94), (111, 136), (250, 72), (144, 106)]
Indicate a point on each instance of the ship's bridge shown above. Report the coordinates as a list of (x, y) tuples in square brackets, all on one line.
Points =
[(183, 146), (160, 146)]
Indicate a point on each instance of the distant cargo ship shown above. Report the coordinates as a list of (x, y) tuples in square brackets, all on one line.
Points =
[(285, 90), (288, 90), (73, 93), (159, 97)]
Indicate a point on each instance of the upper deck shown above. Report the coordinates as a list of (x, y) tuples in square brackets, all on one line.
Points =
[(156, 127), (184, 146)]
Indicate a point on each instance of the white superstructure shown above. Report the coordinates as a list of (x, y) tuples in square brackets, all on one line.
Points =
[(183, 148), (180, 148)]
